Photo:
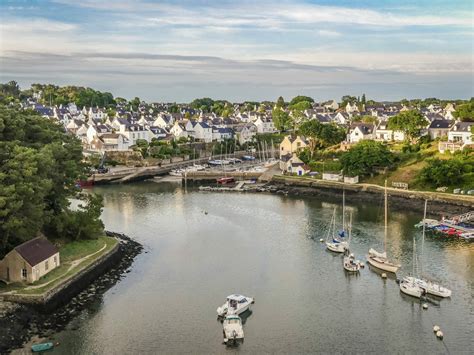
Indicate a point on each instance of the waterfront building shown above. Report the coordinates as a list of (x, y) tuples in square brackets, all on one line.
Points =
[(29, 261)]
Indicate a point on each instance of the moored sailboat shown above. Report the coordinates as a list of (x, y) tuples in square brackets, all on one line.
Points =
[(408, 285), (349, 263), (380, 260), (333, 242)]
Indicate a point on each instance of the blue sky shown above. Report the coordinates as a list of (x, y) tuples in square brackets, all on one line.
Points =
[(242, 50)]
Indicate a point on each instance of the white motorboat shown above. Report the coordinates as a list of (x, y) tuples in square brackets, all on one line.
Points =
[(380, 260), (233, 330), (235, 304)]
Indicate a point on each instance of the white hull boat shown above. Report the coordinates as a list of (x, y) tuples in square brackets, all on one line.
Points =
[(233, 330), (337, 247), (235, 304), (176, 172), (411, 288), (430, 287), (382, 263), (350, 264)]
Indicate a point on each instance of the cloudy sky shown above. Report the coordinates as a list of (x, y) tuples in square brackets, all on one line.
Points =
[(242, 50)]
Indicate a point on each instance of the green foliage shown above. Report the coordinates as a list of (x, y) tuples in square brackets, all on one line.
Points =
[(321, 135), (280, 102), (39, 165), (448, 172), (300, 98), (281, 119), (465, 112), (204, 104), (301, 106), (81, 96), (409, 122), (365, 158), (347, 99)]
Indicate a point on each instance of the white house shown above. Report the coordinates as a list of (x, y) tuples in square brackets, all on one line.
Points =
[(178, 130), (351, 108), (359, 131), (296, 166), (332, 105), (163, 121), (221, 133), (383, 133), (461, 132), (115, 141), (265, 125), (202, 131)]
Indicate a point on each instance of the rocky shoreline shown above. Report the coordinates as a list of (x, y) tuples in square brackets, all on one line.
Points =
[(414, 203), (19, 322)]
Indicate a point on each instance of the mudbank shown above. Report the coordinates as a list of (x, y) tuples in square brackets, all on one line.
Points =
[(20, 323)]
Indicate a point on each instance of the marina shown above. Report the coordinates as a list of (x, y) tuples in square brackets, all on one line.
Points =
[(210, 244)]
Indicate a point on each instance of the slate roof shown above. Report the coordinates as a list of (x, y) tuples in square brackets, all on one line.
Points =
[(440, 124), (36, 250), (463, 126)]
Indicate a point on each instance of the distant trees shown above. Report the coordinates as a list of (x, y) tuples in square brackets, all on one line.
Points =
[(409, 122), (281, 119), (465, 112), (301, 98), (365, 157)]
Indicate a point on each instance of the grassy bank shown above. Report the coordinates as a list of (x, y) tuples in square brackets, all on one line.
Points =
[(74, 257)]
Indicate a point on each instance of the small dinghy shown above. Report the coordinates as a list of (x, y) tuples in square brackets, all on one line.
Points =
[(37, 348), (235, 304), (233, 330)]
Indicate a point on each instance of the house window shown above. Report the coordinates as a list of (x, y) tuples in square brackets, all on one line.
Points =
[(55, 260), (282, 148), (298, 144), (46, 265), (24, 273)]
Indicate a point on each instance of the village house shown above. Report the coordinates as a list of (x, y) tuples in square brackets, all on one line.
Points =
[(292, 144), (461, 132), (265, 125), (383, 133), (202, 132), (29, 261), (244, 133), (221, 133), (114, 141), (179, 130), (359, 131), (294, 165), (439, 128)]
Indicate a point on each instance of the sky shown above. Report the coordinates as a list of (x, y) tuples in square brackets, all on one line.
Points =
[(176, 51)]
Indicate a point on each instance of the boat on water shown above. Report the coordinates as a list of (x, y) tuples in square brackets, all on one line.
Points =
[(380, 260), (349, 262), (337, 244), (408, 285), (235, 304), (225, 180), (428, 286), (177, 172), (233, 330), (38, 348)]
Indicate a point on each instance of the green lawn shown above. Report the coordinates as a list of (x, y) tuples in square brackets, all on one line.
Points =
[(69, 253)]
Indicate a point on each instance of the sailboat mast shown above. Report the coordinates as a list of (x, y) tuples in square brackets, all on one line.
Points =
[(343, 210), (423, 236), (386, 219)]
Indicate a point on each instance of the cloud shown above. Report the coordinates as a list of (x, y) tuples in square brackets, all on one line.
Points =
[(327, 33)]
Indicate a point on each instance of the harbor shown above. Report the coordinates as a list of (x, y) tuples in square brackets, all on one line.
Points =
[(201, 247)]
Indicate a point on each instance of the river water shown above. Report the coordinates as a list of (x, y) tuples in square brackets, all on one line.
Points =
[(267, 246)]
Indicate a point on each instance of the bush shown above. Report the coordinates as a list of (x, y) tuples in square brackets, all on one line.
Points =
[(442, 172), (366, 158)]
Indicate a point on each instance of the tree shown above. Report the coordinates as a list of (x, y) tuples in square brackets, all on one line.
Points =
[(280, 102), (465, 112), (365, 157), (301, 106), (300, 98), (39, 167), (440, 172), (281, 119), (321, 135), (409, 122), (362, 101)]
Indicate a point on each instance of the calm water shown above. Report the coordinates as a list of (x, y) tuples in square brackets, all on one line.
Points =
[(268, 247)]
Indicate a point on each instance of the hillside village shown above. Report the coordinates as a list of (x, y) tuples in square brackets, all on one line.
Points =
[(101, 132)]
